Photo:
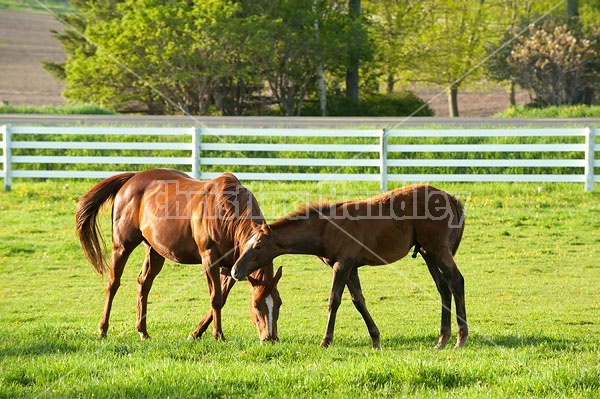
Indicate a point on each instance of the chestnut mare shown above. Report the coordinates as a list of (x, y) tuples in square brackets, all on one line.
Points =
[(183, 220), (376, 231)]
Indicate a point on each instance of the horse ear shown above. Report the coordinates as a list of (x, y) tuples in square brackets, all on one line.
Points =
[(277, 275), (264, 228)]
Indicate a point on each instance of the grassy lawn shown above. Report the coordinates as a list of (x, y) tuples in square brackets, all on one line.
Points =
[(530, 257)]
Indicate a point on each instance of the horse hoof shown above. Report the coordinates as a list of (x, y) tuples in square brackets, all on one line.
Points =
[(144, 336), (442, 342), (460, 342)]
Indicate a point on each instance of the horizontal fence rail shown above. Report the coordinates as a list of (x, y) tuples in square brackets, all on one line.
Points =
[(467, 155)]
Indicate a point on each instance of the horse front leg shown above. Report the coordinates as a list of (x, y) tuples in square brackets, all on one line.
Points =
[(340, 278), (210, 262), (227, 282), (153, 264), (359, 302)]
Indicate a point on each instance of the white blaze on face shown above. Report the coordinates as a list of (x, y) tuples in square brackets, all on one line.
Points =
[(270, 305), (251, 241)]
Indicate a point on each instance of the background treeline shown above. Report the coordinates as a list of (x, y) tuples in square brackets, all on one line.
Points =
[(323, 57)]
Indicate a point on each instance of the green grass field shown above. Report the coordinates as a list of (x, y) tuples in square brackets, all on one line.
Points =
[(530, 257)]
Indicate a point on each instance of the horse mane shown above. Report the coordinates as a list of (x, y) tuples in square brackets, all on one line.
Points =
[(230, 210), (311, 209)]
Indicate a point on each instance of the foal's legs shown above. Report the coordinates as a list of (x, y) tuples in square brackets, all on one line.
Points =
[(446, 295), (120, 254), (359, 302), (227, 283), (442, 257), (153, 264), (340, 279)]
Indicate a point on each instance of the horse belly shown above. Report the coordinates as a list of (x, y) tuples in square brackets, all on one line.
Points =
[(173, 240), (378, 241)]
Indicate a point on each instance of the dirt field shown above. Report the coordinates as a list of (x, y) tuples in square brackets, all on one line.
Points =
[(25, 42)]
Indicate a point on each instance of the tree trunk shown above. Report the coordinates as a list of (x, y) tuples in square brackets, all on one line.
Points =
[(572, 9), (390, 83), (512, 97), (322, 90), (320, 74), (453, 101), (354, 56)]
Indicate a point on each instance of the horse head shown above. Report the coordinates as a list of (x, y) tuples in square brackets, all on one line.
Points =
[(265, 304), (259, 250)]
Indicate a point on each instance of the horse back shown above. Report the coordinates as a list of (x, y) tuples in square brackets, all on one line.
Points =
[(156, 206)]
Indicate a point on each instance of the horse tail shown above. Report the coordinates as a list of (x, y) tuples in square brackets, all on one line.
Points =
[(86, 212), (458, 222)]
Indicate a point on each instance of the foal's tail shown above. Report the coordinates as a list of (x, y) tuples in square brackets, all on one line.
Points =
[(458, 222), (87, 210)]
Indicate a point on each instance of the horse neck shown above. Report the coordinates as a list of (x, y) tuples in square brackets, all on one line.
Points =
[(299, 236)]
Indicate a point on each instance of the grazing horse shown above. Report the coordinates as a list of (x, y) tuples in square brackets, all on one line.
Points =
[(377, 231), (186, 221)]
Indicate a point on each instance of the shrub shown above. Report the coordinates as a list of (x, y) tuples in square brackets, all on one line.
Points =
[(50, 109), (405, 103), (573, 111), (559, 65)]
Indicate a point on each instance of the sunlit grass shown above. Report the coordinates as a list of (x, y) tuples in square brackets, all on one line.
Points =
[(529, 256)]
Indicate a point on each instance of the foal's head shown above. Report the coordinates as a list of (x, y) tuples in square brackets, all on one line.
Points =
[(258, 251), (265, 304)]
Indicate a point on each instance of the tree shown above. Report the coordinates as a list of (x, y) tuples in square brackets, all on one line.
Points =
[(556, 64), (453, 42), (223, 56), (395, 29), (522, 19)]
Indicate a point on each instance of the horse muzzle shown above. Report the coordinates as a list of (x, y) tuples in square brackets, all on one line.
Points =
[(235, 273)]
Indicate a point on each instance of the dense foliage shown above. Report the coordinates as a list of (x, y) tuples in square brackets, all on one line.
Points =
[(241, 57)]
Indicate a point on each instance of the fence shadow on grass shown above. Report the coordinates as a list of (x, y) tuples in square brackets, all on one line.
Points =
[(477, 340), (42, 348), (530, 341)]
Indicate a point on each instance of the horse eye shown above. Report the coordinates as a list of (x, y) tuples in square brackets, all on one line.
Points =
[(258, 246)]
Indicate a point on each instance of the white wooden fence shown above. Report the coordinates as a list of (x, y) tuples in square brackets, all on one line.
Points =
[(206, 153)]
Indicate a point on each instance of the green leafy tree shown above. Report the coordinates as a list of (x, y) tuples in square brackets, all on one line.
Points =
[(224, 56), (453, 44), (395, 30)]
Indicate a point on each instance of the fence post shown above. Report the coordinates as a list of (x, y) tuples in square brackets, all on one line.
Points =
[(196, 152), (6, 156), (383, 159), (590, 144)]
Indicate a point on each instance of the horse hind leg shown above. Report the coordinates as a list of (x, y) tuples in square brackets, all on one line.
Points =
[(456, 283), (153, 264), (446, 296), (119, 257)]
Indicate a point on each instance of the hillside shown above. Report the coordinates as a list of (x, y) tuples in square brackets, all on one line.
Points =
[(25, 42)]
